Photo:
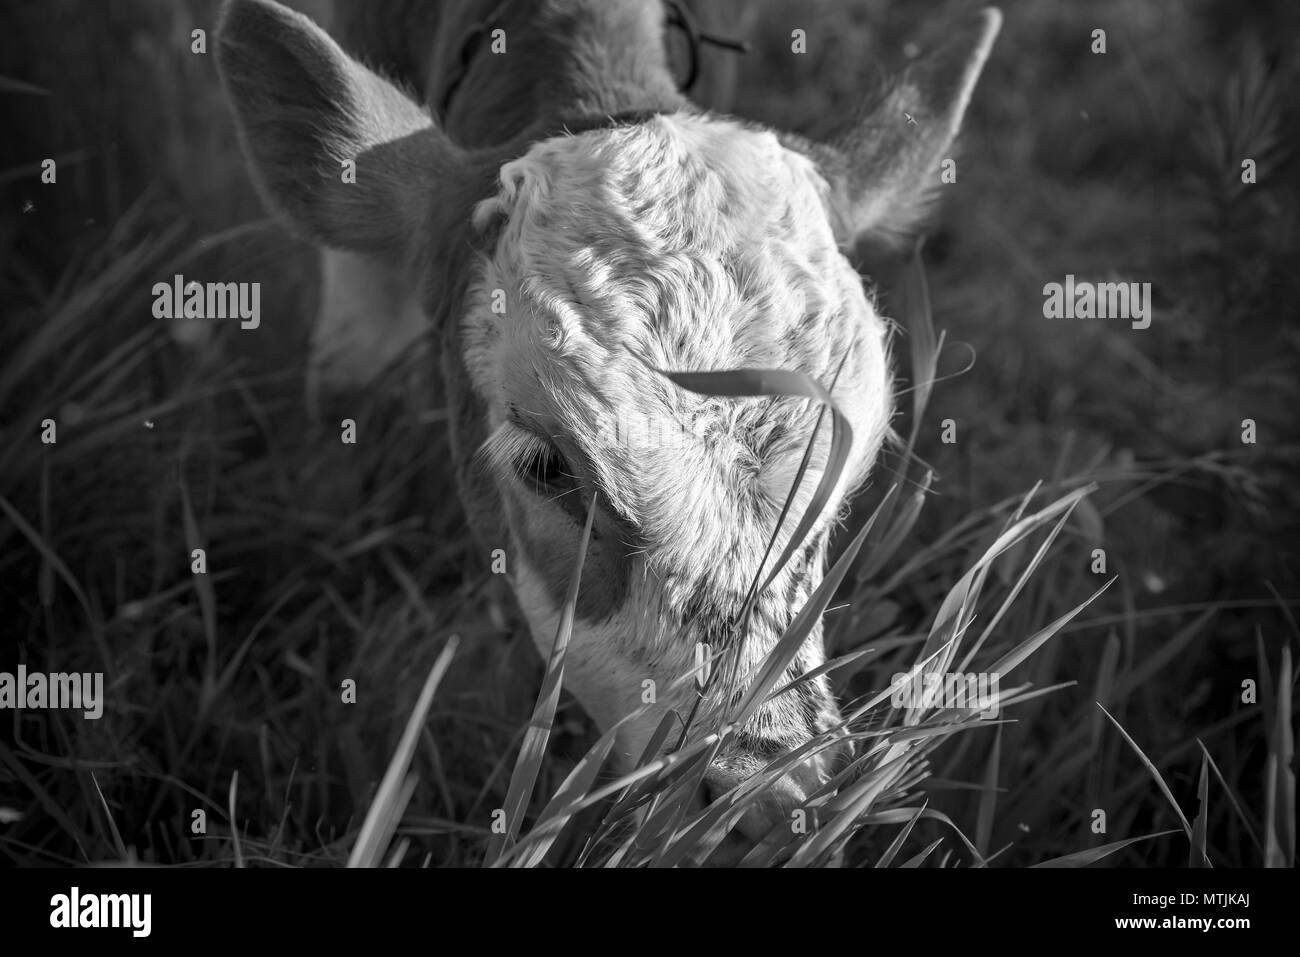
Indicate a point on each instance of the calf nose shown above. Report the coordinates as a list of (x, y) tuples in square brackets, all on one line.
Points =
[(776, 805)]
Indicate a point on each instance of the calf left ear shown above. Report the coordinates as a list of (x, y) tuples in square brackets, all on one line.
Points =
[(305, 110), (884, 170)]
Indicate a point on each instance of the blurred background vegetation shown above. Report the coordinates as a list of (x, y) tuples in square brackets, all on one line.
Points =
[(330, 562)]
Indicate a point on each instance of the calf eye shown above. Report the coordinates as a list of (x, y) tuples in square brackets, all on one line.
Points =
[(546, 467)]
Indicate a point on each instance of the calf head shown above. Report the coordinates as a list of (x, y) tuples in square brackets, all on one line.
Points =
[(564, 272)]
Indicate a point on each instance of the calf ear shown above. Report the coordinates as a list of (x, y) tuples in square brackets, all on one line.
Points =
[(304, 109), (884, 169)]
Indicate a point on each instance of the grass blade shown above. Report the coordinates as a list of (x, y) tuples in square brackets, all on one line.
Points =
[(1093, 854), (774, 383), (395, 789), (533, 749), (1155, 773), (1197, 856)]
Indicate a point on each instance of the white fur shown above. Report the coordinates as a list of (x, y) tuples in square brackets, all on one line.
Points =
[(606, 682)]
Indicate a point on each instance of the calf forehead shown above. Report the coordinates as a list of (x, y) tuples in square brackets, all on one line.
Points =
[(695, 238)]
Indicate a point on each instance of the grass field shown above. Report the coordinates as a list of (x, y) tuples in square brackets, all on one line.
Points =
[(1165, 702)]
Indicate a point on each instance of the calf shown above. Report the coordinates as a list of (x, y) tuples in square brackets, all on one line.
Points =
[(567, 223)]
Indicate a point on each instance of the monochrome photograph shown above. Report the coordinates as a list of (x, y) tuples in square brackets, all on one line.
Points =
[(649, 434)]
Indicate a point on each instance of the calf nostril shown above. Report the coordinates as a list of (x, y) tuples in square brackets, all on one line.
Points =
[(792, 788), (831, 760), (717, 784), (768, 809)]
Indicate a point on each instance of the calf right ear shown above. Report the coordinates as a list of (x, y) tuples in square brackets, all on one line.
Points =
[(884, 168), (305, 110)]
